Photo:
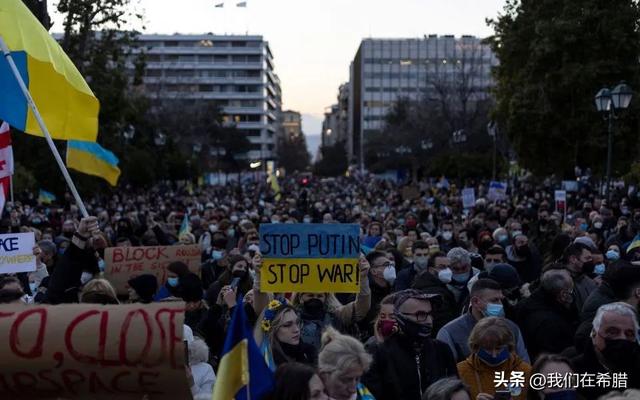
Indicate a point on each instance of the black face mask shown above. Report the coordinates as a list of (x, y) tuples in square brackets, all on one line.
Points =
[(239, 274), (620, 353), (313, 309), (587, 267), (413, 330), (523, 251)]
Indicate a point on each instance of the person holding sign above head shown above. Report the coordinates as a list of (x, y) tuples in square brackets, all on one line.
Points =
[(277, 333)]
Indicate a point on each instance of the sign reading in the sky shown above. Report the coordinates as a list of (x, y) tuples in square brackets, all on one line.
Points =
[(16, 252), (314, 258)]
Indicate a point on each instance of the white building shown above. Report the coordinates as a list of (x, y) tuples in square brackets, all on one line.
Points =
[(237, 72)]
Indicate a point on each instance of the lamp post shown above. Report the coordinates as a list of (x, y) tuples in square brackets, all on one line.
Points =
[(492, 130), (608, 102)]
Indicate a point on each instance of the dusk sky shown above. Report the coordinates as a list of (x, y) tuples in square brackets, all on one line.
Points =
[(313, 41)]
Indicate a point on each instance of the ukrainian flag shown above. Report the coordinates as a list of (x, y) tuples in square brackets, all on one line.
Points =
[(243, 373), (91, 158), (184, 227), (275, 186), (65, 101), (45, 197)]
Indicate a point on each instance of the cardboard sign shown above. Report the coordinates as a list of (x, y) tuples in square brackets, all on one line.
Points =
[(88, 351), (124, 263), (497, 191), (16, 253), (560, 197), (314, 258), (468, 198)]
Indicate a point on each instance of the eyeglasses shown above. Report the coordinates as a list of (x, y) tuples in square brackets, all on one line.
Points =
[(419, 316)]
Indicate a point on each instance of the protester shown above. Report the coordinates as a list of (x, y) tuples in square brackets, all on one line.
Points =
[(98, 291), (551, 305), (493, 353), (486, 301), (203, 376), (295, 381), (406, 363), (175, 272), (447, 389), (278, 335), (554, 365), (614, 347), (142, 288), (420, 251), (341, 363)]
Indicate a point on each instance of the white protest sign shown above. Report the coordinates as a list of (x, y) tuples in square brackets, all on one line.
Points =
[(468, 197), (16, 253)]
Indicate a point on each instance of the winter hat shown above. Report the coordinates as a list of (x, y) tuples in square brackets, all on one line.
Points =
[(145, 285)]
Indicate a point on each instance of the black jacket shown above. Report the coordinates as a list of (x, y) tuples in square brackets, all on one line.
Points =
[(546, 325), (65, 284), (587, 362), (601, 296), (449, 309), (405, 278), (395, 373)]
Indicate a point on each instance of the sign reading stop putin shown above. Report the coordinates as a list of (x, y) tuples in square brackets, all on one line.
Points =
[(312, 258)]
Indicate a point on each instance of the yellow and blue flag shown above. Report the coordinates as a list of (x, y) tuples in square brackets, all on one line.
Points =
[(275, 186), (91, 158), (65, 101), (243, 373), (184, 227), (45, 197)]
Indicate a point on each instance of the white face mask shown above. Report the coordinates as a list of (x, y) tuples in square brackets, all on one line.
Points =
[(389, 274), (447, 235), (86, 277), (445, 275)]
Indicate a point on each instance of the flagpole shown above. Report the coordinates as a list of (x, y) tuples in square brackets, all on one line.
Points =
[(11, 187), (43, 127)]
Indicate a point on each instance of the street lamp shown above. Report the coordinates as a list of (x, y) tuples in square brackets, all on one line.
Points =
[(492, 130), (608, 102)]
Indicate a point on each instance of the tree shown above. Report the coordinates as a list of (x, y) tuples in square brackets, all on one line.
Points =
[(334, 161), (554, 56), (293, 155)]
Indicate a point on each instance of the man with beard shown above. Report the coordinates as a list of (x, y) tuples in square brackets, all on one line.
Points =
[(613, 348)]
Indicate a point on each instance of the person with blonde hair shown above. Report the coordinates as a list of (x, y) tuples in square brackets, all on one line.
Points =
[(203, 376), (320, 310), (98, 291), (341, 363), (277, 334), (493, 353)]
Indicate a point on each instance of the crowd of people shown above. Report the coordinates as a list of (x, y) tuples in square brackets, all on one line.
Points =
[(454, 303)]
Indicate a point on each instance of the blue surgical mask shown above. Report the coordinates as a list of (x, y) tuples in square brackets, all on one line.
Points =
[(491, 360), (217, 255), (101, 264), (584, 227), (460, 278), (173, 282), (599, 269), (613, 255), (494, 310), (33, 286)]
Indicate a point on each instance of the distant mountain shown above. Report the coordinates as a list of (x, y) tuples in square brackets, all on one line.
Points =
[(313, 145)]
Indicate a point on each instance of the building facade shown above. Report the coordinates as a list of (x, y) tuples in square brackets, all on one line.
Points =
[(335, 127), (384, 70), (235, 72), (291, 125)]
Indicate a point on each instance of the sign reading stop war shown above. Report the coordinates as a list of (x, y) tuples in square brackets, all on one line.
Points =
[(87, 351), (16, 252), (124, 263), (314, 258)]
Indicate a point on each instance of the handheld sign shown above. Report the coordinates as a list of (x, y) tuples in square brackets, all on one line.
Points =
[(16, 253), (88, 351), (468, 198), (497, 191), (124, 263), (314, 258), (560, 197)]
